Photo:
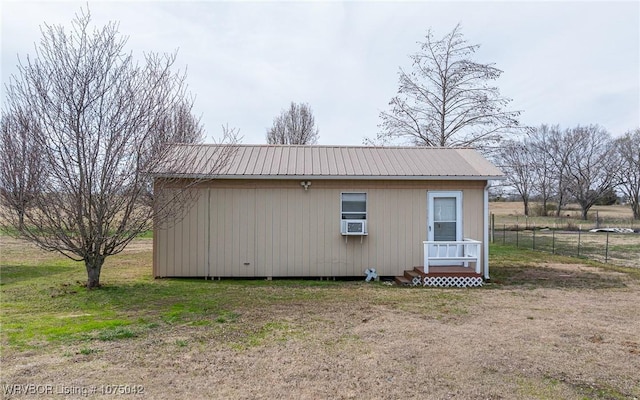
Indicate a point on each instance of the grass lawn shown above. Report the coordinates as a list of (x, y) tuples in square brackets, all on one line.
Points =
[(563, 237), (547, 327)]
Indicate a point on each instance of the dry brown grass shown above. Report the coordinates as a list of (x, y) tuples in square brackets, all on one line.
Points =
[(512, 214), (535, 335), (513, 208)]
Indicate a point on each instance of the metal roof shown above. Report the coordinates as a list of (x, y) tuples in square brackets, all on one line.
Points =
[(328, 162)]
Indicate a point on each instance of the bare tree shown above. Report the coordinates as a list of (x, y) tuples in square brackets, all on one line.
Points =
[(628, 174), (545, 178), (558, 146), (101, 125), (294, 126), (591, 167), (448, 99), (20, 164), (516, 159)]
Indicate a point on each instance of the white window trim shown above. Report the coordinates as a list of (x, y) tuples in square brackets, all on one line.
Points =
[(431, 194), (366, 205), (364, 221)]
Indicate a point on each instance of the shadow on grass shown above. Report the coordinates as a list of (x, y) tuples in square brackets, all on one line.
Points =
[(550, 277)]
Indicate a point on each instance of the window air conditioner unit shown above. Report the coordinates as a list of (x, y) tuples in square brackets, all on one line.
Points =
[(353, 227)]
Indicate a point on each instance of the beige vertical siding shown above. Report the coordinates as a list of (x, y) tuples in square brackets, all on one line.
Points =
[(180, 247), (472, 214), (239, 228)]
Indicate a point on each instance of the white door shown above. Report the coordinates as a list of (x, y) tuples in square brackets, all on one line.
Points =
[(444, 221)]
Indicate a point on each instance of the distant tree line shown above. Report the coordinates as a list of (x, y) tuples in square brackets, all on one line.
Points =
[(582, 164)]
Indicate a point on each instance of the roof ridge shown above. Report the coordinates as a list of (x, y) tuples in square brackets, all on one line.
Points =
[(321, 146)]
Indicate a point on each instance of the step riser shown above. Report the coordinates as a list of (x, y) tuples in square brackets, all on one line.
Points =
[(417, 277)]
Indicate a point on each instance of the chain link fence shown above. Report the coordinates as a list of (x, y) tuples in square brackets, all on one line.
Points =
[(609, 247)]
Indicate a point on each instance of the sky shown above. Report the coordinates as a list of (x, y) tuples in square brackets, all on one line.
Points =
[(565, 63)]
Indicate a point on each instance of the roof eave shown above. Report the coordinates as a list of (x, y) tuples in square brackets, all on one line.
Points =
[(339, 177)]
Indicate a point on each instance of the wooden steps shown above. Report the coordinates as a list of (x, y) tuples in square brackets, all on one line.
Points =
[(402, 281), (441, 276)]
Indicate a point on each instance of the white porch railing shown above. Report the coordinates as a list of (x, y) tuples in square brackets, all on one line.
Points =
[(465, 251)]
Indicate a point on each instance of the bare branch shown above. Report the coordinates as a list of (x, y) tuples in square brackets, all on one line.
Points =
[(446, 100), (21, 168), (628, 173), (99, 124), (294, 126), (515, 159), (590, 171), (579, 163)]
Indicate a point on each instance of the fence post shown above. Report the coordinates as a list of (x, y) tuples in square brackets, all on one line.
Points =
[(553, 241), (493, 228), (606, 249), (517, 236), (579, 231), (504, 233), (534, 238)]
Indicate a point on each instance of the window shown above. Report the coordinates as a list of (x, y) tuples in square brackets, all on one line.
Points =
[(354, 206), (353, 214), (445, 218)]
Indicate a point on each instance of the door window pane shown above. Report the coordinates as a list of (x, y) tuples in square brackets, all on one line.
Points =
[(444, 218), (444, 209), (444, 231)]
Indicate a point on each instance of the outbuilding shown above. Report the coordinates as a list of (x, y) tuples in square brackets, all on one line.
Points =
[(332, 211)]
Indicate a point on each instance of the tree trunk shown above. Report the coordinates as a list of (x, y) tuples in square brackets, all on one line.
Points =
[(585, 211), (560, 202), (526, 206), (94, 266), (559, 208), (20, 220), (635, 207)]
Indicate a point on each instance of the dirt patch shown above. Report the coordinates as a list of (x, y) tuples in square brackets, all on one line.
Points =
[(509, 343)]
